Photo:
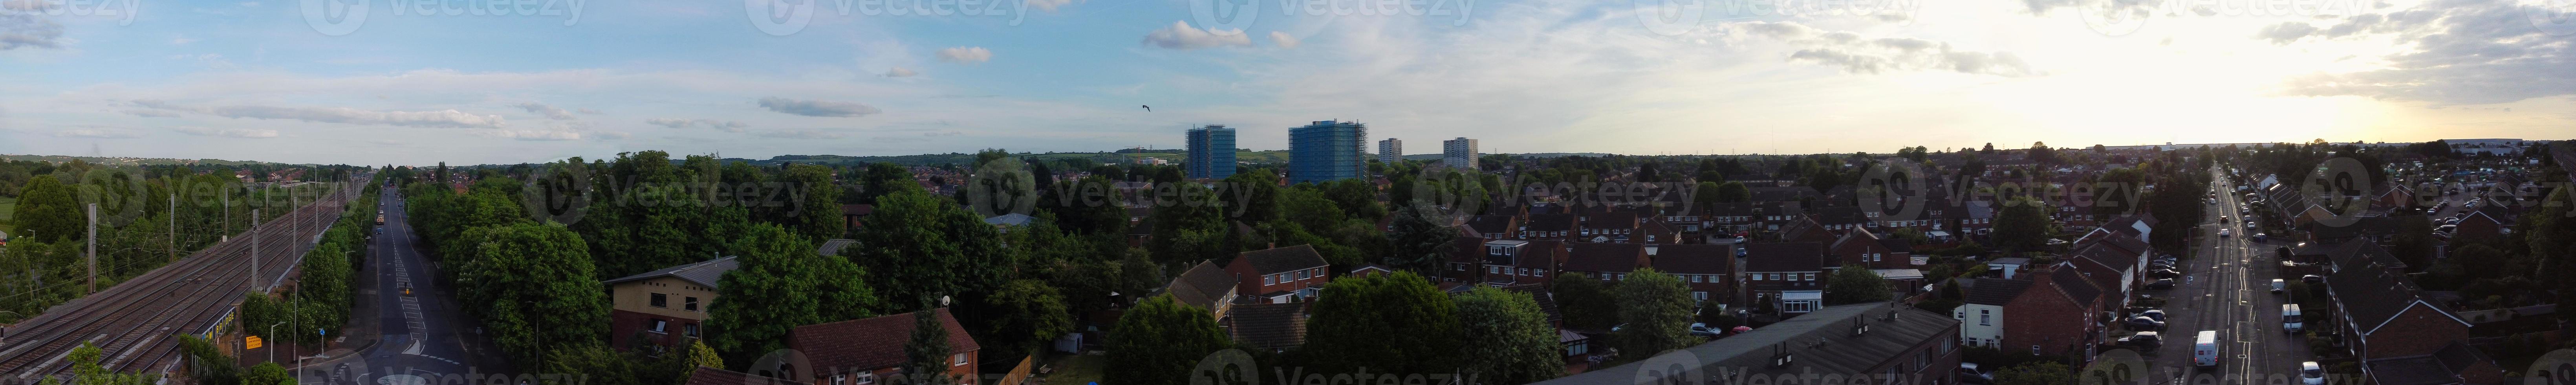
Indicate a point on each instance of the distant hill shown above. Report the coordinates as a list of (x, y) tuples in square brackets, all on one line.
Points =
[(131, 161)]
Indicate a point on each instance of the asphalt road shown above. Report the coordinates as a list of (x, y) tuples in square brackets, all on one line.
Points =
[(420, 339), (2227, 288)]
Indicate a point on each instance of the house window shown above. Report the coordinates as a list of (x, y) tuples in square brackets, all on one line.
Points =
[(689, 303), (1985, 317), (1694, 278), (1537, 272), (2034, 349), (840, 380), (1493, 270), (866, 378), (1578, 348), (1959, 315), (1305, 275), (689, 330), (657, 326), (1269, 279), (661, 300), (958, 359)]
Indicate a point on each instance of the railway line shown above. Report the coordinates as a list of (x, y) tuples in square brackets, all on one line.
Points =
[(136, 322)]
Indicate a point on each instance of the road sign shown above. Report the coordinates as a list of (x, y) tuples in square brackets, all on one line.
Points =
[(251, 342)]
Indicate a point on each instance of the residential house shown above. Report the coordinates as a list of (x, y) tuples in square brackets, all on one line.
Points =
[(1706, 269), (1560, 227), (1787, 275), (1206, 286), (1890, 343), (1280, 274), (2400, 337), (871, 350), (1608, 226), (1605, 261), (1864, 247), (663, 307)]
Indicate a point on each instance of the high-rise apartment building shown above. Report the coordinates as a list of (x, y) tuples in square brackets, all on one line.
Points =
[(1459, 153), (1390, 150), (1327, 150), (1211, 152)]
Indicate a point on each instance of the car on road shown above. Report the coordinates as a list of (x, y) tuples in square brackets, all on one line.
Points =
[(1701, 330), (2204, 348), (2290, 320), (2278, 285), (2258, 237), (2222, 233), (1970, 374), (2161, 284), (2311, 374), (2249, 225), (2144, 323), (380, 230)]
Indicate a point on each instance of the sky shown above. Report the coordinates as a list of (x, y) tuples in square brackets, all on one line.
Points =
[(416, 82)]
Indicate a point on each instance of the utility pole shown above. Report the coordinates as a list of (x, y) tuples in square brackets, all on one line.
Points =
[(93, 249), (174, 227), (254, 251)]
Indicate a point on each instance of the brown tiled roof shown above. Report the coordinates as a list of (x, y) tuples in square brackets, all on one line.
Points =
[(719, 376), (1695, 258), (1504, 224), (2075, 286), (1785, 256), (1551, 222), (1995, 291), (1540, 254), (1604, 257), (1546, 299), (1269, 325), (869, 343), (1203, 285), (1283, 259)]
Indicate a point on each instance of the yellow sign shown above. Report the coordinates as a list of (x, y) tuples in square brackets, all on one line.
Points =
[(251, 342)]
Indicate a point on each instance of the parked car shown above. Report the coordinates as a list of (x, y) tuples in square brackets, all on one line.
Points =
[(2312, 278), (1968, 373), (1702, 330), (2222, 233), (2146, 340), (2311, 374), (2161, 284), (2279, 285), (2258, 237), (2144, 323), (2164, 273), (2158, 314)]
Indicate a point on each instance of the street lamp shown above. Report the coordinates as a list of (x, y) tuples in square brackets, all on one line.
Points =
[(541, 336), (272, 350)]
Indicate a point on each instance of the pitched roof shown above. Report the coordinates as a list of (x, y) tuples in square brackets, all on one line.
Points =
[(2075, 286), (702, 273), (2364, 226), (1540, 254), (833, 246), (1494, 224), (1817, 342), (1550, 222), (1603, 257), (1546, 299), (2358, 252), (1283, 259), (2370, 296), (1695, 258), (869, 343), (1203, 285), (1269, 325), (1994, 291), (1784, 256), (719, 376), (1611, 220)]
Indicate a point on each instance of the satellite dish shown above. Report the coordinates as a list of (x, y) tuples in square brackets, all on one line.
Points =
[(943, 301)]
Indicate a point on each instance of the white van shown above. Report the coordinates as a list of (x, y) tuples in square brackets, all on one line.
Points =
[(2290, 318), (2204, 348)]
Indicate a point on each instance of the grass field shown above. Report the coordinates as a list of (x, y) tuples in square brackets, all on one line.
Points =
[(8, 206), (1075, 370)]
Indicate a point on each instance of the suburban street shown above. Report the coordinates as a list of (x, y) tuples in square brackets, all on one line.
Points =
[(418, 336), (2227, 288)]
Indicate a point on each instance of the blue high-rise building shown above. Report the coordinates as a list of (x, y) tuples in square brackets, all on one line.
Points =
[(1211, 152), (1326, 151)]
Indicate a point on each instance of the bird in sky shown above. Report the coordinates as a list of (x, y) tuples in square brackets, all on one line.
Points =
[(1147, 108)]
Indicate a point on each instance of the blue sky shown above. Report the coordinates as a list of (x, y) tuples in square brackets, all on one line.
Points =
[(262, 81)]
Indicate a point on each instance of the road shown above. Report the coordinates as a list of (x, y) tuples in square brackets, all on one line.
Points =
[(2227, 288), (419, 335)]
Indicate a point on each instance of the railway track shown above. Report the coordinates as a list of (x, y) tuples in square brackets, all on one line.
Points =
[(134, 322)]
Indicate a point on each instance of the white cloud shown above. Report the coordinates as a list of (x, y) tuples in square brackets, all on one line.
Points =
[(1181, 36), (1857, 54), (227, 132), (900, 72), (530, 135), (1282, 39), (20, 28), (2449, 52), (96, 133), (965, 55), (152, 113), (799, 134), (542, 109), (343, 115), (823, 108), (726, 125), (2284, 33), (586, 111)]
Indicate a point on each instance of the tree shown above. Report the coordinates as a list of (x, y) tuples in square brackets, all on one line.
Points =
[(1394, 323), (2035, 373), (1585, 301), (1509, 336), (817, 214), (47, 210), (535, 287), (918, 247), (1654, 313), (1160, 341), (1855, 284), (779, 283), (1022, 317), (927, 354), (2023, 226), (1418, 243)]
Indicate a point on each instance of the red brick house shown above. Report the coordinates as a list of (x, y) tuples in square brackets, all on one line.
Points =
[(1556, 227), (1708, 269), (1863, 247), (1605, 261), (2488, 220), (1787, 275), (2398, 335), (1536, 263), (2057, 316), (870, 350), (1280, 274)]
